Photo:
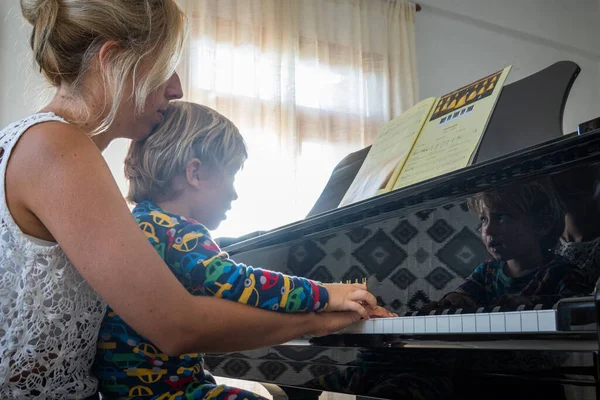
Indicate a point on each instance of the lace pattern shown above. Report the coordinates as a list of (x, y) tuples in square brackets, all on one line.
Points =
[(49, 315)]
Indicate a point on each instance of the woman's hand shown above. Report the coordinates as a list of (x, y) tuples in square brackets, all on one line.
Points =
[(380, 312), (509, 300), (331, 322), (350, 297), (451, 300)]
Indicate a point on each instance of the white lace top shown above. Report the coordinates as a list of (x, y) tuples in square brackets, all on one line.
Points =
[(49, 316)]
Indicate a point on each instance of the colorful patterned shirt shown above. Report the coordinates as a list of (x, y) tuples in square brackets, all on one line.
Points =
[(554, 280), (129, 365)]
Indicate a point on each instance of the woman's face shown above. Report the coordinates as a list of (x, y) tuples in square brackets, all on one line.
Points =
[(138, 126)]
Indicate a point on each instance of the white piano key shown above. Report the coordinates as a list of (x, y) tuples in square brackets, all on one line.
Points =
[(482, 322), (398, 324), (443, 324), (408, 325), (356, 328), (513, 321), (529, 321), (388, 326), (497, 323), (546, 320), (431, 324), (494, 322), (455, 322), (419, 324), (468, 323)]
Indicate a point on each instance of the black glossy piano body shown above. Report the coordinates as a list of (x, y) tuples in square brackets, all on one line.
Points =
[(561, 365)]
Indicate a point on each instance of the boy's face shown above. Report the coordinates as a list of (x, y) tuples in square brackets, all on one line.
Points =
[(215, 198), (507, 236)]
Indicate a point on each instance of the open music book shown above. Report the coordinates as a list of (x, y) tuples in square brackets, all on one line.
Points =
[(434, 137)]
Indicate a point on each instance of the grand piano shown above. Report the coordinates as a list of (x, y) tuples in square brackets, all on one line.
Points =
[(416, 244)]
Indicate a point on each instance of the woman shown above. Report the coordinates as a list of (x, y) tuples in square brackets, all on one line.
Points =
[(580, 241), (69, 243)]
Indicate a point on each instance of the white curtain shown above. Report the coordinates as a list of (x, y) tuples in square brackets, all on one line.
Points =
[(306, 81)]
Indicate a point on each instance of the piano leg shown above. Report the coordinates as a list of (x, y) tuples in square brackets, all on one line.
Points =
[(301, 394)]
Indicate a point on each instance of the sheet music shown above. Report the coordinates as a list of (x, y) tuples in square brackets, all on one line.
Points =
[(388, 154), (451, 136)]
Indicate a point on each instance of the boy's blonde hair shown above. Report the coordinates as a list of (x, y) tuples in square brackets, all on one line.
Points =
[(537, 199), (188, 131), (67, 35)]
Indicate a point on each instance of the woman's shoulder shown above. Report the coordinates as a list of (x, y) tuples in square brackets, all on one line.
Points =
[(51, 130), (23, 124), (49, 141)]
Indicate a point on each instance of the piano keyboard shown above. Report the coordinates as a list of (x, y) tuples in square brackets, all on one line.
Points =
[(567, 315)]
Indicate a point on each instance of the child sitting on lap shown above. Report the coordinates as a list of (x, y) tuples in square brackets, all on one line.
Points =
[(520, 224), (181, 180)]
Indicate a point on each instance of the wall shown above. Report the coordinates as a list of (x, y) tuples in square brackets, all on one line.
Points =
[(20, 85), (22, 88), (460, 40)]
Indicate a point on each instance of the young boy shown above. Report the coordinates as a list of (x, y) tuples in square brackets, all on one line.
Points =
[(181, 179), (520, 224)]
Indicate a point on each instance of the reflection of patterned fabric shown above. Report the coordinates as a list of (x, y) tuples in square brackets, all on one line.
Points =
[(129, 365), (411, 259), (586, 255), (554, 280)]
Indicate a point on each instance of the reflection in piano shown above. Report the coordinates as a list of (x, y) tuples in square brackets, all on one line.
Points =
[(419, 243)]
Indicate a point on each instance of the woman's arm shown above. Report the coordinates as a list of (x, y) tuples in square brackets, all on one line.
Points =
[(57, 177)]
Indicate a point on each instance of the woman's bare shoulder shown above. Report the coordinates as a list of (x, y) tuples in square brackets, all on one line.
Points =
[(53, 138)]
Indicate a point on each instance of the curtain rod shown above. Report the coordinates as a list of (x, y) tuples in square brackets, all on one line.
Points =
[(418, 7)]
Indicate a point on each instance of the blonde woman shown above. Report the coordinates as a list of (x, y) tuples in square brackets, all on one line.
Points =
[(68, 243)]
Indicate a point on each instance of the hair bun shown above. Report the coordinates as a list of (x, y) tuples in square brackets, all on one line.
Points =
[(33, 9)]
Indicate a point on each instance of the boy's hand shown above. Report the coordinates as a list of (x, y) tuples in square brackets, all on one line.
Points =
[(350, 297), (432, 305), (331, 322)]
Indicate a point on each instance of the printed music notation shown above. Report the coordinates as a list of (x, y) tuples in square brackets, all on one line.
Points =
[(432, 138)]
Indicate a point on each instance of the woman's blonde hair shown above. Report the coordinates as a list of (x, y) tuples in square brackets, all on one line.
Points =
[(68, 34), (188, 131), (537, 199)]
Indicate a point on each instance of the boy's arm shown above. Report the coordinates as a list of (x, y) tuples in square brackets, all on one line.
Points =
[(205, 269), (474, 286)]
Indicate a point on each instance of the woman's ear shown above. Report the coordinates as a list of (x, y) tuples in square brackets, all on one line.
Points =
[(106, 50), (195, 173)]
